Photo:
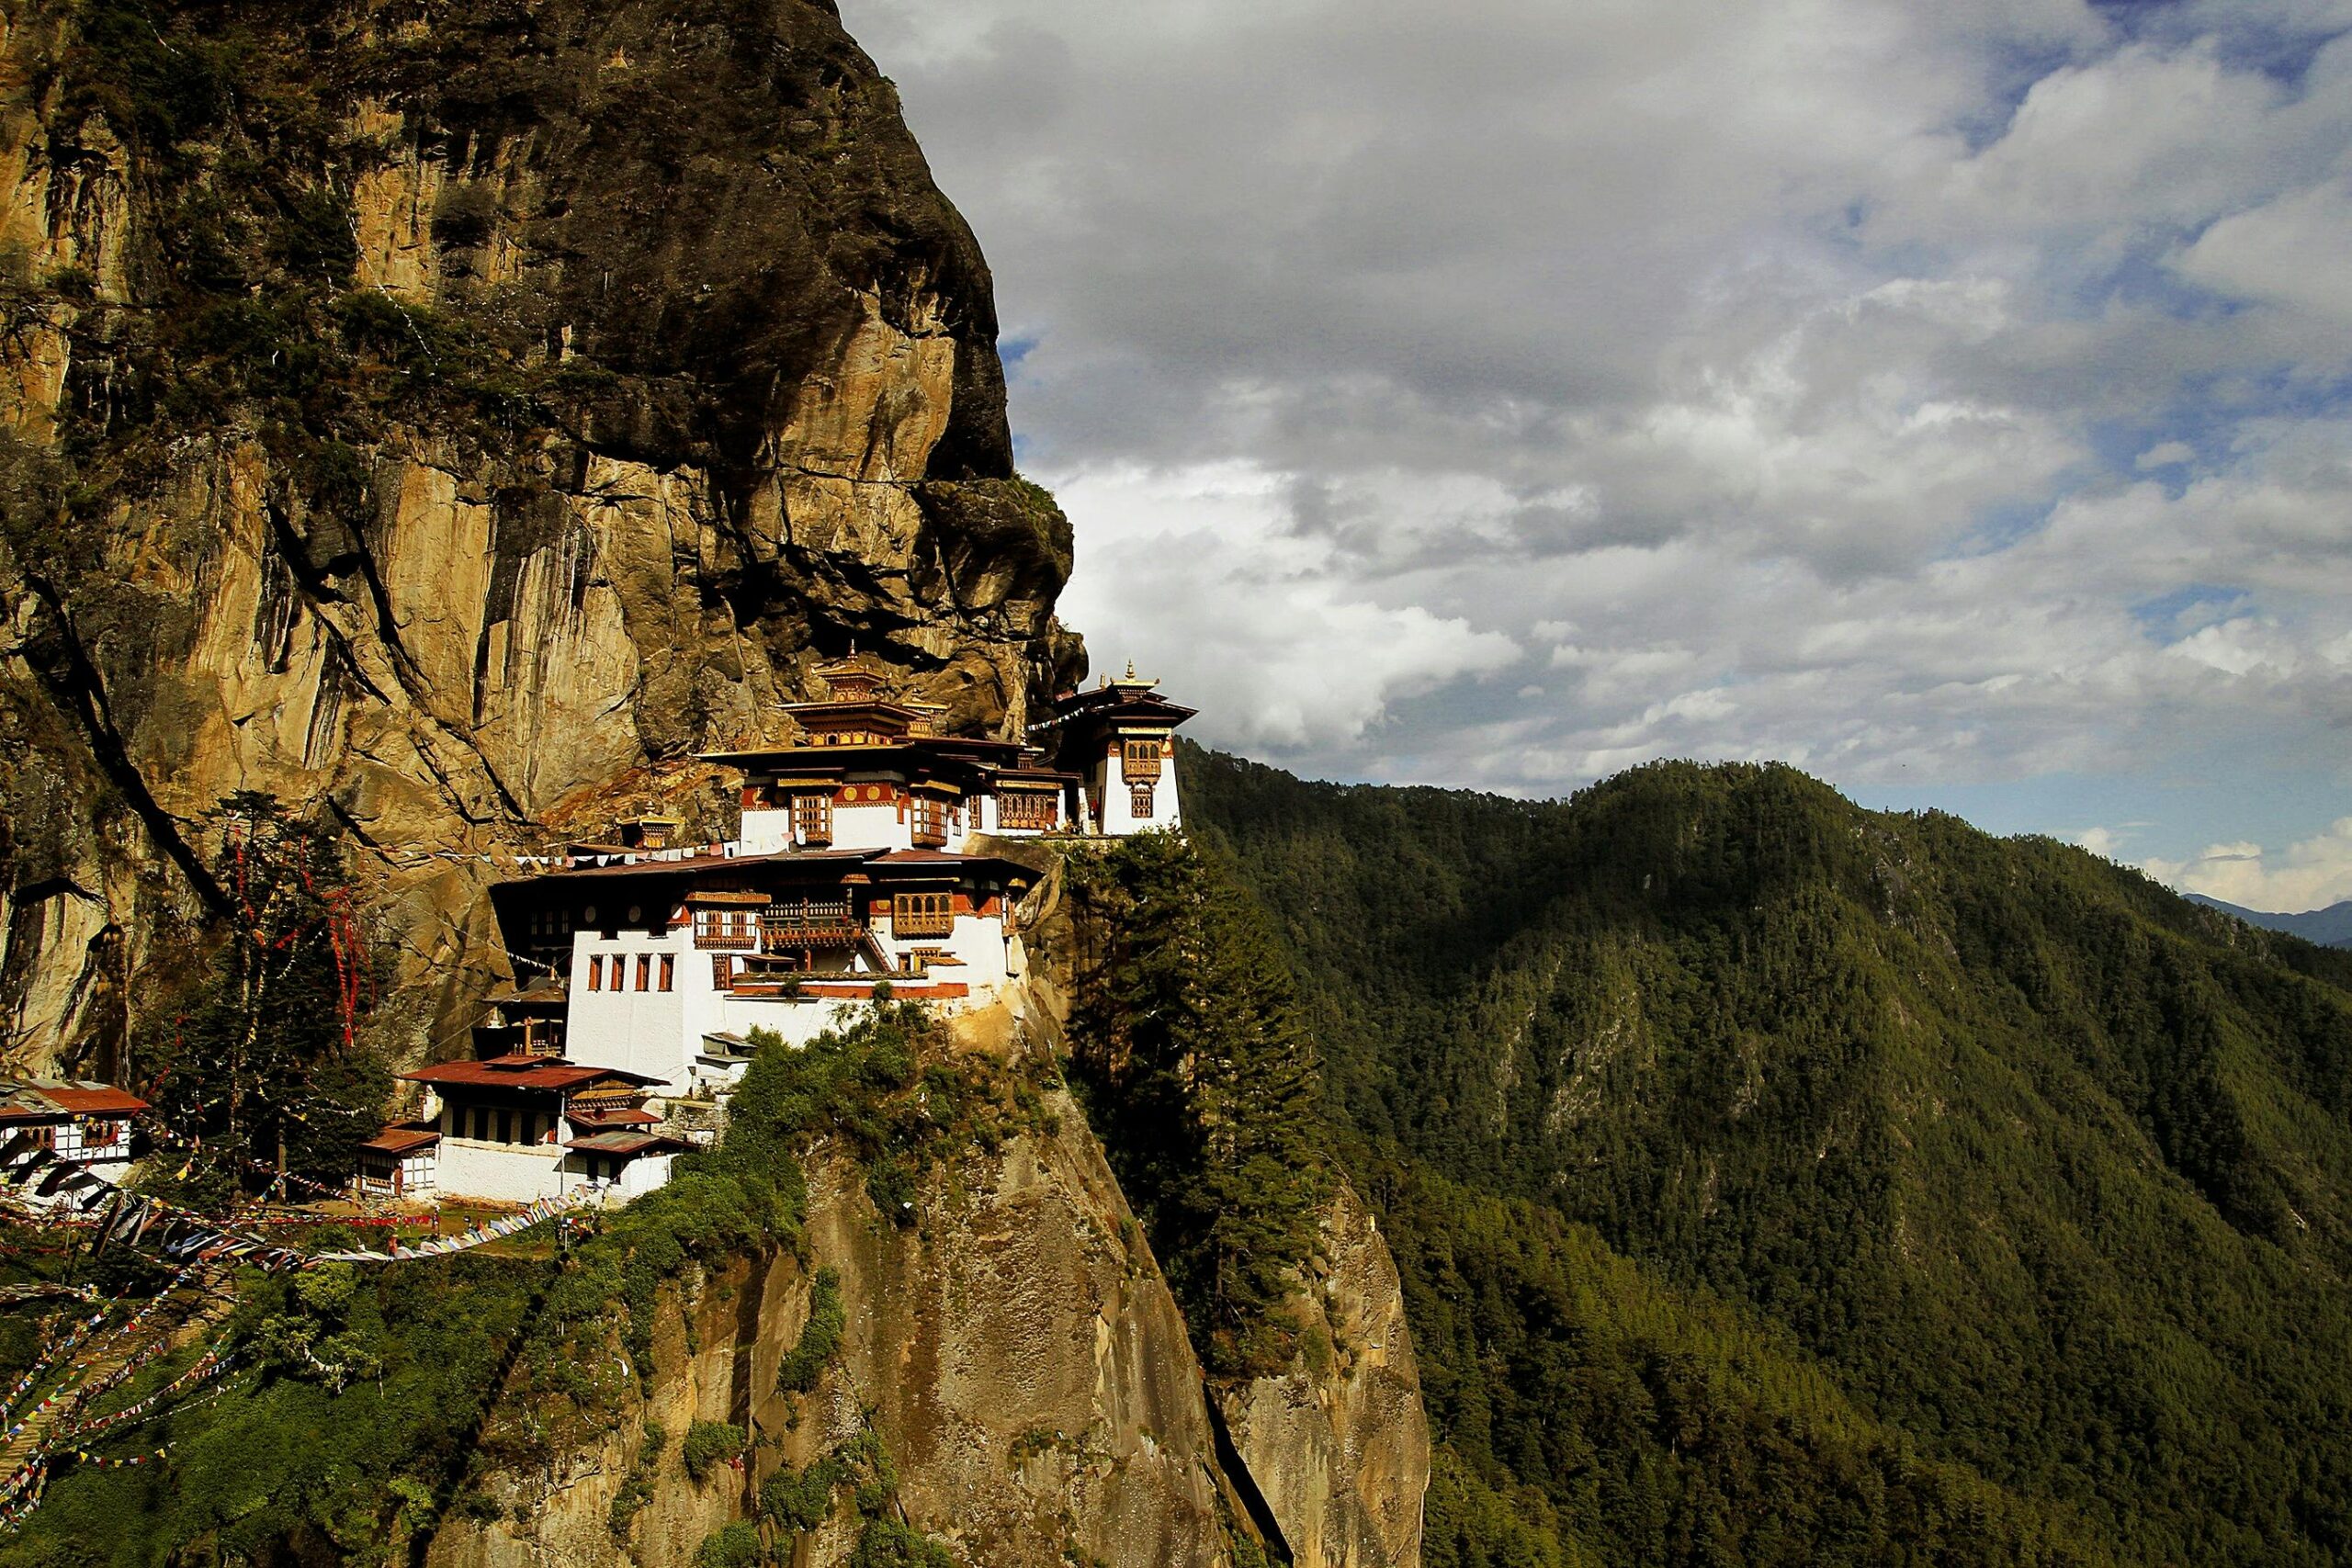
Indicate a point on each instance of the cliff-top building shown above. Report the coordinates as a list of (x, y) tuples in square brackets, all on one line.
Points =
[(866, 865)]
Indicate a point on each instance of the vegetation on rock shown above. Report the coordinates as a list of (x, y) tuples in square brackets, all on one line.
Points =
[(383, 1398)]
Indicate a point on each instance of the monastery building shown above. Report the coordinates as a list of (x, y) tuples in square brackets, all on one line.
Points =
[(867, 867)]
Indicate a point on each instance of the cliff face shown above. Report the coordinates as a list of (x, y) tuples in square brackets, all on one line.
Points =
[(450, 417), (1337, 1444), (1018, 1355)]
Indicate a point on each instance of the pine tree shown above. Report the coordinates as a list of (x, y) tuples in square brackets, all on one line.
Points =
[(1188, 1034)]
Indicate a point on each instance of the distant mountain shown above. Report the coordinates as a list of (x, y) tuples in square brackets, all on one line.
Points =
[(2331, 927), (1775, 1181)]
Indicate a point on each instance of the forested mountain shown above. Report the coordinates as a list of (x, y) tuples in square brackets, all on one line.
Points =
[(2331, 927), (1779, 1181)]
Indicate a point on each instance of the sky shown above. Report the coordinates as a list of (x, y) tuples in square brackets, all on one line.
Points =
[(1954, 402)]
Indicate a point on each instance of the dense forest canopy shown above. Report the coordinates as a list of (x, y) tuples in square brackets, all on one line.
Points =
[(1779, 1181)]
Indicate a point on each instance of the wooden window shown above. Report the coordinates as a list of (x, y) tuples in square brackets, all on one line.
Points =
[(669, 970), (812, 818), (644, 971), (101, 1134), (1139, 802), (1140, 760), (595, 972), (923, 914), (930, 821), (1029, 809)]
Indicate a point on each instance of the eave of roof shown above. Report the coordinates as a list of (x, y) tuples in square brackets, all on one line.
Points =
[(521, 1072), (942, 860), (968, 748), (698, 866), (401, 1140), (623, 1142)]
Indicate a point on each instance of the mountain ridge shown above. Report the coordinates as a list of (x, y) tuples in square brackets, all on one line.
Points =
[(2328, 926), (2041, 1165)]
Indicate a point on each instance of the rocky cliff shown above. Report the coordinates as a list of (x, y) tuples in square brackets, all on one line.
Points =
[(449, 417), (1337, 1444), (1016, 1357)]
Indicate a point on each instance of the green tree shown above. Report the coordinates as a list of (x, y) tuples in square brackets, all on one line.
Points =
[(1187, 1036), (267, 1068)]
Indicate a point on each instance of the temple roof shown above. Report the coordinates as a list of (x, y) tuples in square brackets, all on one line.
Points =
[(32, 1099), (1127, 699), (966, 749), (621, 1143), (551, 1073), (834, 861), (402, 1140)]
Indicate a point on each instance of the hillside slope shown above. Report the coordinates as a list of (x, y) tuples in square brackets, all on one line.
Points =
[(2042, 1167)]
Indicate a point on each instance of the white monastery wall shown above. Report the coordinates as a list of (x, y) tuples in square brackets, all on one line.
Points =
[(505, 1173)]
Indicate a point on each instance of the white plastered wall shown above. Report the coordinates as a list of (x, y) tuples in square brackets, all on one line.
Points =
[(503, 1173), (1118, 805)]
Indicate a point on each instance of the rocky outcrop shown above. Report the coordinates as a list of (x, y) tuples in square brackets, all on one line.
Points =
[(1019, 1356), (1337, 1446), (448, 418), (1016, 1352)]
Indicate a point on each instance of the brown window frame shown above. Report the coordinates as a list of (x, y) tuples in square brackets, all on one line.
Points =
[(923, 914), (596, 970), (1029, 808), (1139, 761), (645, 971), (668, 971), (813, 817), (1139, 801), (929, 818)]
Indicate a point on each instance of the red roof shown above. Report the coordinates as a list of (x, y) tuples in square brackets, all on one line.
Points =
[(520, 1071), (33, 1100), (618, 1116), (401, 1140), (618, 1142)]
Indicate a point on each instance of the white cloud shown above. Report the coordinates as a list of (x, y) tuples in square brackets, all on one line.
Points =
[(2279, 253), (1201, 580), (2309, 874), (2102, 841), (1806, 379)]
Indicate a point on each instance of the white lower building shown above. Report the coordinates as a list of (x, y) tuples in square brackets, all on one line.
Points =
[(87, 1124)]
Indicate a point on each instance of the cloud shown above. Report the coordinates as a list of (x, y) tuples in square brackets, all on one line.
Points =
[(2309, 874), (1506, 392), (1204, 584), (2267, 253), (2105, 843)]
